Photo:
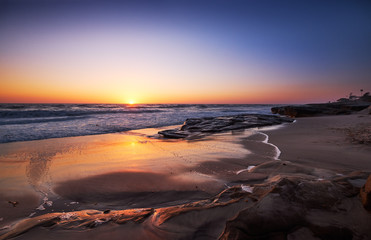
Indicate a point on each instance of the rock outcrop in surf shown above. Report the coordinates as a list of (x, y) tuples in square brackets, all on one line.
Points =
[(195, 127)]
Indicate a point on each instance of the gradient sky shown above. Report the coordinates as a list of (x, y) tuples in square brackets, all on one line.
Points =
[(86, 51)]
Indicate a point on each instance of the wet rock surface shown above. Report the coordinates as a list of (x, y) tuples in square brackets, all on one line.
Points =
[(199, 126), (284, 206), (158, 223), (321, 109), (297, 208), (365, 194)]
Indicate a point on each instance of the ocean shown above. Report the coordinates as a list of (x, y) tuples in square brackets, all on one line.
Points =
[(25, 122)]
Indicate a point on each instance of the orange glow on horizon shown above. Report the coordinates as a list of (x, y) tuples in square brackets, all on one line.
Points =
[(248, 96), (32, 86)]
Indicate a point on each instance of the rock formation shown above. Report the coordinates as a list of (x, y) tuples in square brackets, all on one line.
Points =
[(284, 206), (309, 110), (197, 126), (365, 194), (296, 208)]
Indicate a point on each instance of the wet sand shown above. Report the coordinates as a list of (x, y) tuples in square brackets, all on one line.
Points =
[(112, 171), (325, 142), (299, 179)]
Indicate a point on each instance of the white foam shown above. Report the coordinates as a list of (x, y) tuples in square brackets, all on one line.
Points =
[(247, 188), (46, 202), (41, 207), (278, 152), (5, 227), (100, 221), (247, 169), (250, 167), (266, 139)]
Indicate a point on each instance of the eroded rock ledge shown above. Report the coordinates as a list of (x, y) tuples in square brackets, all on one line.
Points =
[(198, 126), (285, 206), (297, 208)]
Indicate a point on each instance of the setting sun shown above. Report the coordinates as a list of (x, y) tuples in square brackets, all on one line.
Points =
[(131, 102)]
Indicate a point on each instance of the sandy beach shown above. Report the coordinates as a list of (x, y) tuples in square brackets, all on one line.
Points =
[(296, 181), (326, 142)]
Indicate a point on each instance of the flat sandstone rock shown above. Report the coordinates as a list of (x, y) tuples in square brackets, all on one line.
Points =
[(198, 126), (315, 208)]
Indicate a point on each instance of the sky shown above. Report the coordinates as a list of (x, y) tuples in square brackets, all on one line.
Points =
[(235, 51)]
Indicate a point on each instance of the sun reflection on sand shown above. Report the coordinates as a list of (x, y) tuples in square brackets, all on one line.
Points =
[(124, 169)]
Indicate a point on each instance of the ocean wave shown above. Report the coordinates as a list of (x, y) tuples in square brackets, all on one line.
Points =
[(24, 135), (56, 113), (55, 105), (166, 106), (25, 122), (39, 120)]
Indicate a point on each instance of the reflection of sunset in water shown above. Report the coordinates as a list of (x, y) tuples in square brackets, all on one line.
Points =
[(38, 165)]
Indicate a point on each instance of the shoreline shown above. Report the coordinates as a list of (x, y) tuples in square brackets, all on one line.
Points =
[(252, 179), (324, 138)]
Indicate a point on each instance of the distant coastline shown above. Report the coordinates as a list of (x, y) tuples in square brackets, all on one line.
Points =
[(342, 106)]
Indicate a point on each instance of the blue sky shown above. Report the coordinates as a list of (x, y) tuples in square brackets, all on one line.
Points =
[(233, 49)]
